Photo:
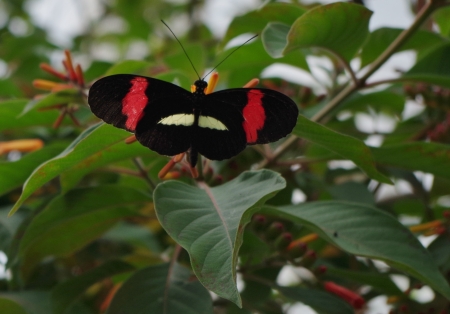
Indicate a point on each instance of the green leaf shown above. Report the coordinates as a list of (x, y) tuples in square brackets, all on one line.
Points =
[(440, 17), (367, 231), (13, 174), (433, 68), (322, 302), (386, 101), (162, 288), (10, 307), (71, 221), (338, 27), (127, 67), (209, 222), (426, 157), (31, 302), (255, 21), (274, 38), (380, 39), (10, 117), (67, 292), (346, 146), (87, 147), (61, 97)]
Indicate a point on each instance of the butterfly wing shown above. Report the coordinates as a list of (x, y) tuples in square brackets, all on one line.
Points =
[(140, 105), (251, 116)]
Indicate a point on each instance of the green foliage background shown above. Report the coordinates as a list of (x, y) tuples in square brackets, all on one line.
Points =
[(93, 229)]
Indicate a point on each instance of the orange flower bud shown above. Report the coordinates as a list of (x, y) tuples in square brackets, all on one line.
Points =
[(306, 239), (44, 84), (426, 226), (48, 68), (347, 295), (131, 139), (69, 66), (80, 76), (165, 170), (21, 145), (252, 83), (212, 83)]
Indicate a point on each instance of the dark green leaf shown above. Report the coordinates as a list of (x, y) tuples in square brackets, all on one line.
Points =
[(10, 307), (66, 293), (322, 302), (427, 157), (367, 231), (346, 146), (164, 289), (381, 38), (32, 302), (384, 101), (338, 27), (255, 21), (72, 220), (209, 222), (433, 68)]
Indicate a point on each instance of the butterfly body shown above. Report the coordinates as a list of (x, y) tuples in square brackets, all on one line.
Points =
[(171, 120)]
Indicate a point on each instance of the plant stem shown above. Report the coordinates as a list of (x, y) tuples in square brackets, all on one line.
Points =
[(143, 173)]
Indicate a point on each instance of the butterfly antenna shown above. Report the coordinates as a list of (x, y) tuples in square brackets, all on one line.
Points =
[(182, 48), (230, 55)]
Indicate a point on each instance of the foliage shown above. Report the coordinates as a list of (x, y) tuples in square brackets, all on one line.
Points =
[(94, 226)]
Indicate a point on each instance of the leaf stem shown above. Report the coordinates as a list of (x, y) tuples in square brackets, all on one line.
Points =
[(143, 173)]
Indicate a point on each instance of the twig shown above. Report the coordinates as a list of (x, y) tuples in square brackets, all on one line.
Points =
[(143, 173)]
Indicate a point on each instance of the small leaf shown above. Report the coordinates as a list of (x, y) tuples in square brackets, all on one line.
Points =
[(72, 220), (426, 157), (433, 68), (274, 38), (322, 302), (440, 17), (66, 293), (164, 289), (367, 231), (209, 222), (338, 27), (127, 67), (346, 146), (255, 21)]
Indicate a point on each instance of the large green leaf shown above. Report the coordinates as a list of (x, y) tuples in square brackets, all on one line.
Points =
[(440, 17), (11, 307), (72, 220), (344, 145), (209, 222), (426, 157), (96, 146), (10, 117), (380, 39), (31, 302), (433, 68), (165, 289), (66, 293), (13, 174), (367, 231), (338, 27), (322, 302), (255, 21)]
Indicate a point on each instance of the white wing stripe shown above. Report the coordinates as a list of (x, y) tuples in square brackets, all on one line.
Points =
[(178, 119), (212, 123)]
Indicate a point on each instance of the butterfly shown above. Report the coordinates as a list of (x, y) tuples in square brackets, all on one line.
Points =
[(171, 120)]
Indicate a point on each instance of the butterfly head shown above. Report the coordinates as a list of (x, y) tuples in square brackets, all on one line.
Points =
[(200, 86)]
